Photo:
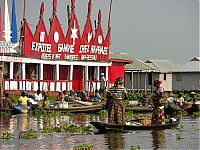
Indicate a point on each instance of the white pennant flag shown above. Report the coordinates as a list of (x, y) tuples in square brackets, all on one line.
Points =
[(7, 30)]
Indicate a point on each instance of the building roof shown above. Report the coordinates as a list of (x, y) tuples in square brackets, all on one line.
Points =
[(164, 66), (120, 57), (192, 66), (138, 65)]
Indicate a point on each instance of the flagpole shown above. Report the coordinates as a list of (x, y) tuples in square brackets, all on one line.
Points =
[(24, 12), (109, 14)]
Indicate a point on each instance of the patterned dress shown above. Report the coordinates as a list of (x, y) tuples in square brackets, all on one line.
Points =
[(158, 116), (116, 102)]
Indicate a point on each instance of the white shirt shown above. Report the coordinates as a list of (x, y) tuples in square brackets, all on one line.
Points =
[(38, 97)]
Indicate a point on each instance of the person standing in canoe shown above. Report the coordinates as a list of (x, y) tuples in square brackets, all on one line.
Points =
[(158, 116), (117, 99)]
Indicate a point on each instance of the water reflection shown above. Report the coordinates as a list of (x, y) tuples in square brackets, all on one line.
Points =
[(5, 120), (22, 121), (158, 138), (114, 140)]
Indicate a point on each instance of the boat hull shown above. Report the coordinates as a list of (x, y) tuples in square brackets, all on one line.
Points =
[(102, 127), (79, 109)]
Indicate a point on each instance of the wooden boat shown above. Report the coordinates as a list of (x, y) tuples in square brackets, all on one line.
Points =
[(103, 127), (138, 108), (191, 107), (95, 107)]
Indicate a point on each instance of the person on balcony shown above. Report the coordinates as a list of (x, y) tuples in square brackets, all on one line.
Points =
[(102, 90), (117, 99)]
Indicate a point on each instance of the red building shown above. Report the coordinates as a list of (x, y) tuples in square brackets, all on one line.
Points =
[(52, 61)]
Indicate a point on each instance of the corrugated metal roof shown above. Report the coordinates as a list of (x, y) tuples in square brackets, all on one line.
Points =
[(138, 65), (164, 66), (120, 56), (192, 66)]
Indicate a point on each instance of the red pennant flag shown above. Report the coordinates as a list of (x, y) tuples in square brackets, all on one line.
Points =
[(42, 9), (89, 7), (73, 33), (54, 5), (28, 40), (73, 4)]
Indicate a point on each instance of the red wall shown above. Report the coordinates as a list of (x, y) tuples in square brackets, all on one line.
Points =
[(63, 75), (48, 72), (77, 83), (116, 70)]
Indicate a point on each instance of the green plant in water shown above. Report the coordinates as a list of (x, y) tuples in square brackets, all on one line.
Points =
[(196, 114), (103, 113), (6, 136), (66, 128), (180, 128), (30, 134), (135, 148), (83, 147), (179, 137)]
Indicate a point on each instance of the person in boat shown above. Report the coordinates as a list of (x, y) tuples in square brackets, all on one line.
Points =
[(192, 98), (6, 102), (158, 116), (97, 97), (60, 96), (117, 99), (180, 99), (23, 100), (31, 100), (66, 96), (171, 98), (45, 100), (38, 95), (71, 97), (102, 90)]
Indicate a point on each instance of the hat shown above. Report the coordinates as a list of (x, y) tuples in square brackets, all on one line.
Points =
[(157, 82), (102, 74), (192, 93)]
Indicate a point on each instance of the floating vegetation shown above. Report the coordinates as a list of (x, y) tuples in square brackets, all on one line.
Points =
[(180, 128), (6, 136), (103, 113), (196, 114), (66, 128), (179, 137), (83, 147), (30, 134), (135, 148)]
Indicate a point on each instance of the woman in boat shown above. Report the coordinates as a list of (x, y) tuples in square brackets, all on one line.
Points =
[(60, 96), (117, 99), (158, 116), (23, 100)]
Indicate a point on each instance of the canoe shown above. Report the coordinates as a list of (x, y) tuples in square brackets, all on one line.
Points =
[(138, 108), (77, 109), (103, 127), (191, 107)]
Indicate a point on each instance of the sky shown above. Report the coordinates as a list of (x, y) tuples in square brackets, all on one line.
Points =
[(144, 29)]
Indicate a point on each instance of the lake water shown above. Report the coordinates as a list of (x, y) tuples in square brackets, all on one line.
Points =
[(163, 140)]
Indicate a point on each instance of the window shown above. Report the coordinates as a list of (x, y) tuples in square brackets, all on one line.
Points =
[(130, 75), (179, 77), (165, 76), (150, 78)]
